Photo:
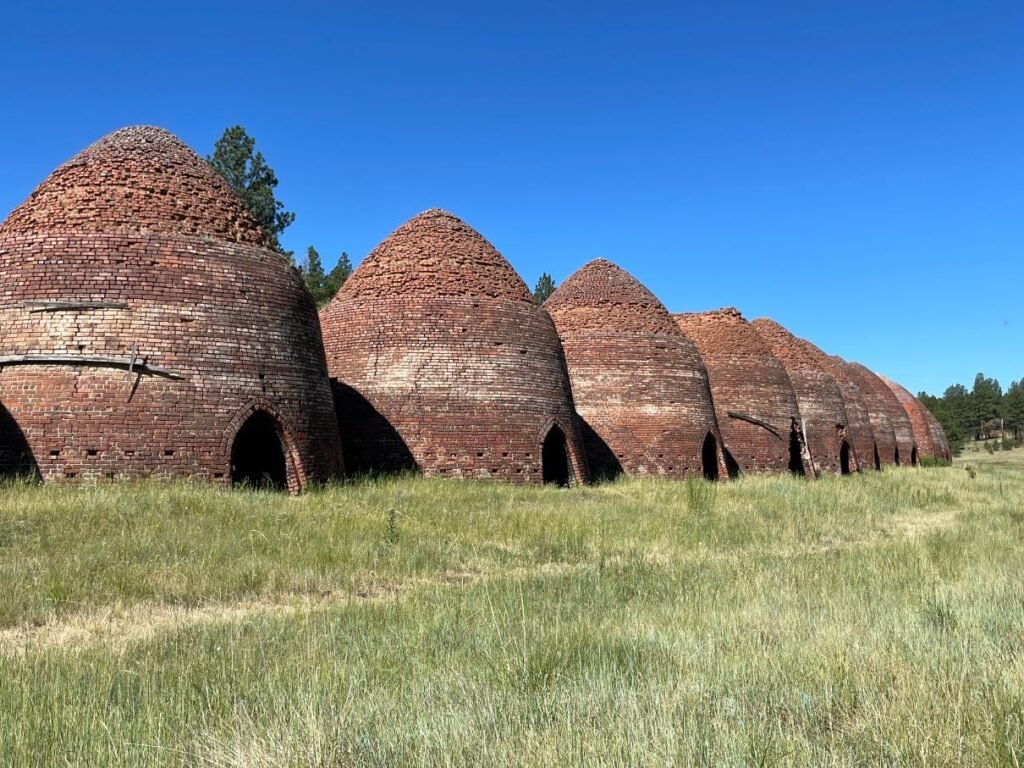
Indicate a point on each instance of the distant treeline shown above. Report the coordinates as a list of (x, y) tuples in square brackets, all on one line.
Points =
[(980, 413)]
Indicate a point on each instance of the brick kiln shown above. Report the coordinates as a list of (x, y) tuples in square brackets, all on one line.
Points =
[(878, 409), (906, 446), (859, 428), (640, 387), (754, 399), (443, 361), (147, 329), (929, 436), (822, 408)]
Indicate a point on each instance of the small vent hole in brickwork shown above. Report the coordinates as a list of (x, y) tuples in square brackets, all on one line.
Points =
[(169, 452), (54, 454), (91, 452)]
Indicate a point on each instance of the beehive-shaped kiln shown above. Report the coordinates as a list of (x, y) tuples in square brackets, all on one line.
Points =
[(822, 409), (754, 400), (443, 361), (859, 428), (639, 385), (929, 440), (147, 329), (878, 409), (905, 453)]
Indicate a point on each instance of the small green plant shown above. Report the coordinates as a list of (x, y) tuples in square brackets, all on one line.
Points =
[(391, 533), (700, 496)]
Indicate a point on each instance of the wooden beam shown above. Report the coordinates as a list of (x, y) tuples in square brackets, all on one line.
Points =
[(66, 306), (755, 422), (99, 362)]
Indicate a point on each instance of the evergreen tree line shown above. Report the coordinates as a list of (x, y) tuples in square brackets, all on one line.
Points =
[(980, 413)]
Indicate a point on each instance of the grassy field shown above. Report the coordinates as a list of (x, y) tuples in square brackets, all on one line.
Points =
[(871, 620)]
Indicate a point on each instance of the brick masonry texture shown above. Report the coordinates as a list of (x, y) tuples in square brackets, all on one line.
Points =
[(877, 406), (746, 380), (859, 429), (822, 407), (871, 382), (640, 387), (443, 361), (928, 433), (136, 254)]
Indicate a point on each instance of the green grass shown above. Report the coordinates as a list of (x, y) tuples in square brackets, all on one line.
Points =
[(870, 620)]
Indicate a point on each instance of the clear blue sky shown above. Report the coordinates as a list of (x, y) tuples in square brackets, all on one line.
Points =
[(853, 170)]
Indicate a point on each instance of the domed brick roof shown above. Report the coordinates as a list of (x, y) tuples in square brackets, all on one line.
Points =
[(919, 421), (144, 324), (819, 396), (876, 391), (639, 384), (754, 399), (138, 180), (443, 361), (436, 254), (603, 298), (877, 408)]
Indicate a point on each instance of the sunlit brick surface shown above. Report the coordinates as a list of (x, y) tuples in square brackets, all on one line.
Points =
[(135, 254), (639, 384), (747, 380), (443, 361)]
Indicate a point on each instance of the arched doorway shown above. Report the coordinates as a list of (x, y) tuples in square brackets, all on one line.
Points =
[(878, 459), (896, 456), (555, 458), (796, 453), (844, 458), (913, 456), (731, 465), (258, 456), (709, 457)]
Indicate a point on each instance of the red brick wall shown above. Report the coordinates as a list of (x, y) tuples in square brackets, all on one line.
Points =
[(918, 414), (748, 380), (901, 427), (141, 225), (878, 409), (639, 385), (444, 362), (821, 401)]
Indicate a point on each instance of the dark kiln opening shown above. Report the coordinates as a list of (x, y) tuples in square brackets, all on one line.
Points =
[(796, 453), (709, 457), (257, 456), (913, 456), (844, 458), (896, 456), (731, 465), (555, 458), (878, 459)]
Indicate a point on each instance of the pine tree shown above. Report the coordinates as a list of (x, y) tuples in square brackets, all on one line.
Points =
[(545, 287), (338, 275), (236, 159), (314, 276)]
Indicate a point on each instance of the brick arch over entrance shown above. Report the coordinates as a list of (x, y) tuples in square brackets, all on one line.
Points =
[(443, 359), (638, 383), (141, 307), (248, 416)]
